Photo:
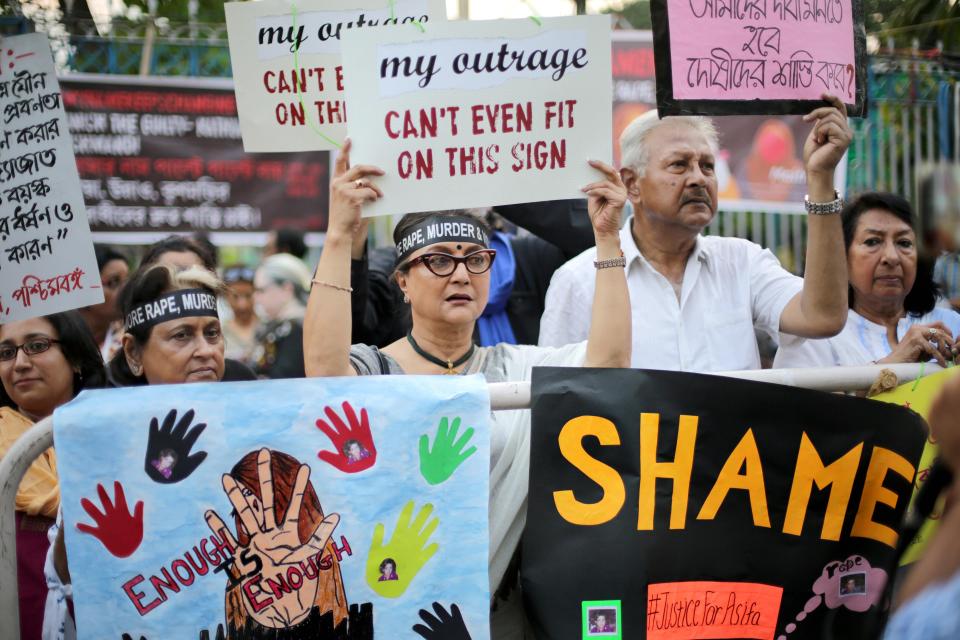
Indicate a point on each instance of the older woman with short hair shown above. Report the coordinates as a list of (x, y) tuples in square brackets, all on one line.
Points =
[(280, 290), (893, 315), (443, 269)]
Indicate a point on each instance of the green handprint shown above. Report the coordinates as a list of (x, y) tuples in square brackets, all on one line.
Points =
[(392, 567), (438, 465)]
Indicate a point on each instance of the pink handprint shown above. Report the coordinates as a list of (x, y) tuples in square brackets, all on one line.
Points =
[(118, 531), (355, 451)]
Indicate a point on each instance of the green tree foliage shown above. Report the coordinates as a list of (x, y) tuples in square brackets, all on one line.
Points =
[(636, 13), (176, 10), (927, 21)]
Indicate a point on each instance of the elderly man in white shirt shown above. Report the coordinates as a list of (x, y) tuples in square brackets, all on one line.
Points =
[(696, 300)]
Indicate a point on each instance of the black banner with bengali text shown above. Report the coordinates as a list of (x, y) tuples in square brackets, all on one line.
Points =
[(168, 157)]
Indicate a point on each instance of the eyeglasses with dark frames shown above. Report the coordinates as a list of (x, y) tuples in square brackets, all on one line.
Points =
[(32, 347), (444, 264)]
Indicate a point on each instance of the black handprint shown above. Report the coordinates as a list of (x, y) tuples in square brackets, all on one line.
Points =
[(168, 448), (443, 626), (127, 636)]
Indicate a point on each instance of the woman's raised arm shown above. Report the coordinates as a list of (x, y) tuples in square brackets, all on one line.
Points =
[(327, 324), (609, 341)]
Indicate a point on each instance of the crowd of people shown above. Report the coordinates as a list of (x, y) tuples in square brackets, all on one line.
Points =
[(497, 292)]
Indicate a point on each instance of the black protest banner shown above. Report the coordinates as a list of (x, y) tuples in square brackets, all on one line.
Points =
[(161, 156), (670, 505), (757, 57)]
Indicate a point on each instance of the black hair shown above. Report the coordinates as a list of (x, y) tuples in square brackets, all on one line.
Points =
[(291, 241), (80, 350), (106, 254), (179, 244), (922, 298), (411, 220), (202, 238), (146, 285), (391, 561)]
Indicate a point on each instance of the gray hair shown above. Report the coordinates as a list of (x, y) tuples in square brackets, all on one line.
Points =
[(634, 152), (282, 268)]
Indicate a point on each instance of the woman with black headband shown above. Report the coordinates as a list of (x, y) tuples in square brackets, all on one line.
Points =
[(171, 335), (443, 271)]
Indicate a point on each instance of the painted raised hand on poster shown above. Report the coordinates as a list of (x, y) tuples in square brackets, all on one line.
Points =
[(445, 625), (268, 551), (259, 541), (116, 528), (391, 567), (168, 458), (46, 251), (438, 463), (355, 449)]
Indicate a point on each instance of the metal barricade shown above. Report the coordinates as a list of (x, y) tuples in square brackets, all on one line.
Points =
[(503, 396)]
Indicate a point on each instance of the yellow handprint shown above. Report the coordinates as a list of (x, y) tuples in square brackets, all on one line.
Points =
[(392, 567)]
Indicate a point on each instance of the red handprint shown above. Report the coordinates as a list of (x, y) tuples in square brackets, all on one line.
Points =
[(354, 444), (118, 531)]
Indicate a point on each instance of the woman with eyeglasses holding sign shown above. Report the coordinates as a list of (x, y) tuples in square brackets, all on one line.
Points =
[(44, 363), (443, 270)]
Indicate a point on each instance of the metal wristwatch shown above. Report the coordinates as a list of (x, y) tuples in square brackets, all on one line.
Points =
[(824, 208)]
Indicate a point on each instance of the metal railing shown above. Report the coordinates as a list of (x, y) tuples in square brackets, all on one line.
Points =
[(503, 396)]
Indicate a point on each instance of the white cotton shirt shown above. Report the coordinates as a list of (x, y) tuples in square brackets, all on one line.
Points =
[(861, 342), (730, 287)]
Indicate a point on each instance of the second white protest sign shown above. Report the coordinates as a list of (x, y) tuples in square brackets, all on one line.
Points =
[(473, 114)]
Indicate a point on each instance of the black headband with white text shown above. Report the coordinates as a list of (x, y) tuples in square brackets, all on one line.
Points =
[(441, 229), (185, 303)]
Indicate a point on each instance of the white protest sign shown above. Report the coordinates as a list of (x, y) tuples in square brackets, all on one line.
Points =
[(47, 262), (287, 68), (473, 114)]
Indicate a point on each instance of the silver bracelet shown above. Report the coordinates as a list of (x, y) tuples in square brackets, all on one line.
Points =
[(824, 208), (612, 262)]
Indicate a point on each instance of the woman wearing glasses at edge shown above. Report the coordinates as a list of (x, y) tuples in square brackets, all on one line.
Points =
[(44, 363), (446, 282)]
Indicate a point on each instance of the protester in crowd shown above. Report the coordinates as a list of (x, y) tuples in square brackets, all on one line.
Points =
[(104, 319), (240, 330), (447, 282), (286, 240), (559, 230), (181, 252), (281, 285), (180, 345), (926, 603), (44, 363), (947, 275), (893, 315), (184, 344), (697, 300)]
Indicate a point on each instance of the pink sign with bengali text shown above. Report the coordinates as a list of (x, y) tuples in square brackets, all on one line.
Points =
[(762, 49)]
